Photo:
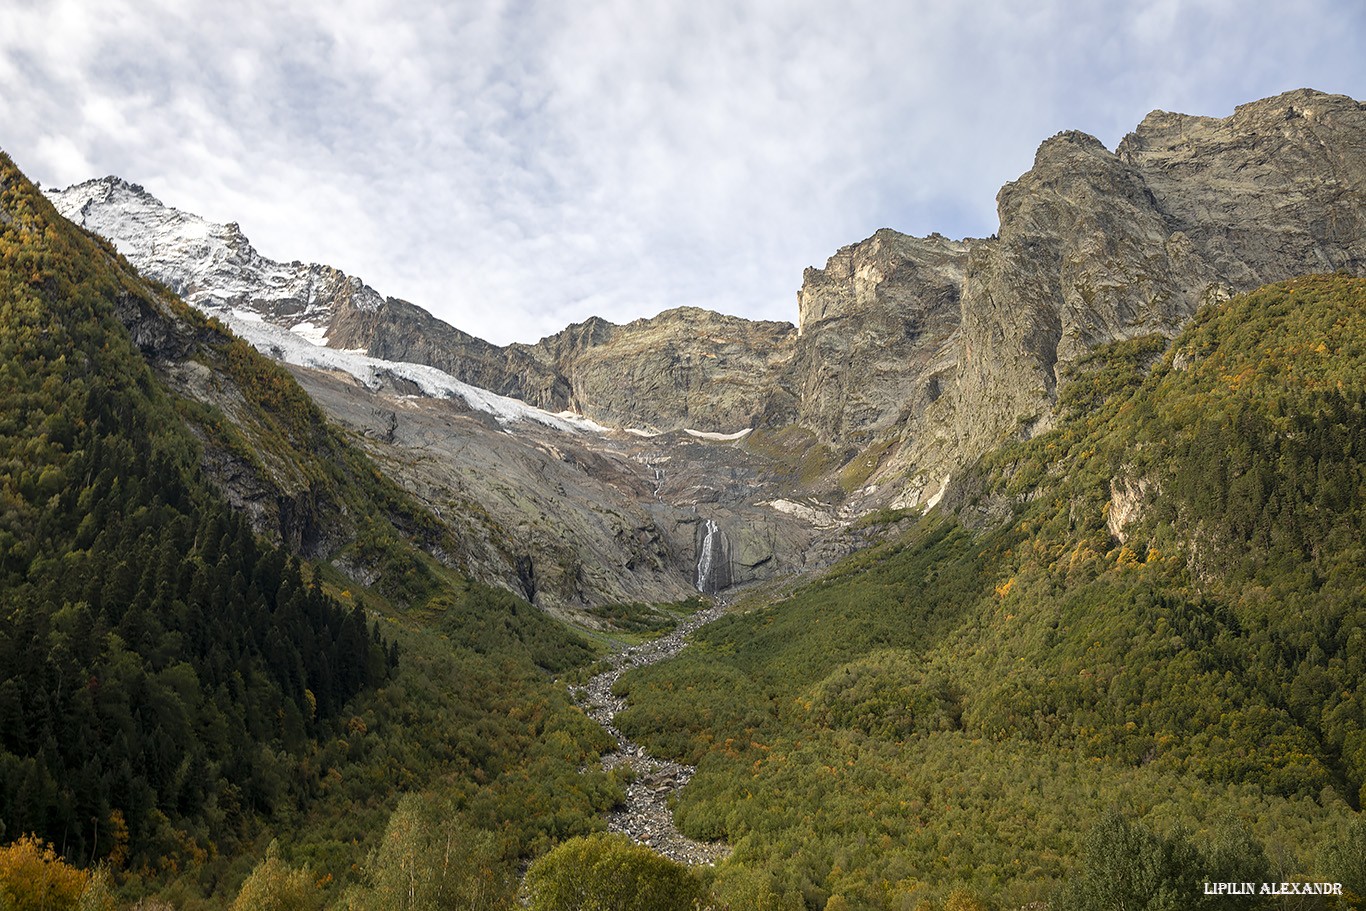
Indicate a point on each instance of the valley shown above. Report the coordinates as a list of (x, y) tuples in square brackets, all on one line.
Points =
[(910, 357), (1022, 571), (569, 519), (646, 816)]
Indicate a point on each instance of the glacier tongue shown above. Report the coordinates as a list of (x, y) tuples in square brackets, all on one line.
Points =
[(284, 345)]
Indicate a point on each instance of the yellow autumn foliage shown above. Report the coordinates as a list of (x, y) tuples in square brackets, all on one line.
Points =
[(34, 878)]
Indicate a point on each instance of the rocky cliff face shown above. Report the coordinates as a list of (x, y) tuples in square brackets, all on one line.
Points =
[(396, 330), (947, 345), (1096, 246), (876, 326), (685, 368), (1272, 192), (912, 356)]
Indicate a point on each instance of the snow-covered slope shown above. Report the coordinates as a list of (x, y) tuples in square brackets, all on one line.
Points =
[(288, 346), (283, 309), (210, 265)]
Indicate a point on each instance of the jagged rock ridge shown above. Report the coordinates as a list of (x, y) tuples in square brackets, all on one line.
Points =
[(685, 365), (912, 356), (875, 329), (1097, 245)]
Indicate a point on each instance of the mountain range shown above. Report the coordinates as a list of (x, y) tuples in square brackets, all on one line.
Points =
[(1044, 553), (910, 357)]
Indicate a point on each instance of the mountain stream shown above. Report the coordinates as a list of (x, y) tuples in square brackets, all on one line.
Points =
[(646, 817)]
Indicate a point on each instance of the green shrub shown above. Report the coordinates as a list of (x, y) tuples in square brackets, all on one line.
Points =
[(609, 873)]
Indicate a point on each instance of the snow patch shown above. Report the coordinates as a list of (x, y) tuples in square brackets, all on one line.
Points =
[(315, 334), (718, 437), (283, 309), (933, 501)]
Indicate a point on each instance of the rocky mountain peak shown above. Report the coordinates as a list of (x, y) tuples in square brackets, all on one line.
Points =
[(112, 189), (213, 266), (1096, 246), (873, 326), (930, 349), (1276, 190), (683, 368), (1067, 142)]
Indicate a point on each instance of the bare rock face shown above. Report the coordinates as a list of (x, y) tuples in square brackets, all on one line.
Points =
[(875, 326), (1128, 498), (396, 330), (911, 358), (569, 519), (685, 368), (1097, 246), (1274, 191), (1084, 256)]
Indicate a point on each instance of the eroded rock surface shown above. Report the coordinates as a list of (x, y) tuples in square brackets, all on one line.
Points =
[(876, 326), (574, 519), (1096, 246), (913, 356)]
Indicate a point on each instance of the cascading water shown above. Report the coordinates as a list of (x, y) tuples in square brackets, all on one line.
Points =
[(713, 569), (658, 478)]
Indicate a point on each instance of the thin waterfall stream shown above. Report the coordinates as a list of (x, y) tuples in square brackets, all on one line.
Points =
[(646, 817), (706, 558), (713, 560)]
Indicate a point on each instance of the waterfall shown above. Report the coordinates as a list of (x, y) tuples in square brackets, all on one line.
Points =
[(713, 565), (705, 558), (657, 477)]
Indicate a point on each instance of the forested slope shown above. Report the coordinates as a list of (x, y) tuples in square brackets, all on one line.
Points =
[(175, 689), (1160, 611)]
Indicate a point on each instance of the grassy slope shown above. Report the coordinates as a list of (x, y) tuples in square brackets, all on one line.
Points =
[(960, 707)]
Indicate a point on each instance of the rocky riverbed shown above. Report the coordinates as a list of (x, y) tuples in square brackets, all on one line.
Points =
[(646, 817)]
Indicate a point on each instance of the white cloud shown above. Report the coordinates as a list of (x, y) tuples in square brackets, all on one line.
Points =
[(516, 166)]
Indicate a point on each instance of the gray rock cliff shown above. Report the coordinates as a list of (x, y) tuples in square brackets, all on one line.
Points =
[(875, 328), (911, 356), (1096, 246), (685, 368)]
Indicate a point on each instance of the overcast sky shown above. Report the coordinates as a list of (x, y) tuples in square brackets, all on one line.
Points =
[(517, 166)]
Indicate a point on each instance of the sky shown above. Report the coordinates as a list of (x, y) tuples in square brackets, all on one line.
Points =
[(515, 166)]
